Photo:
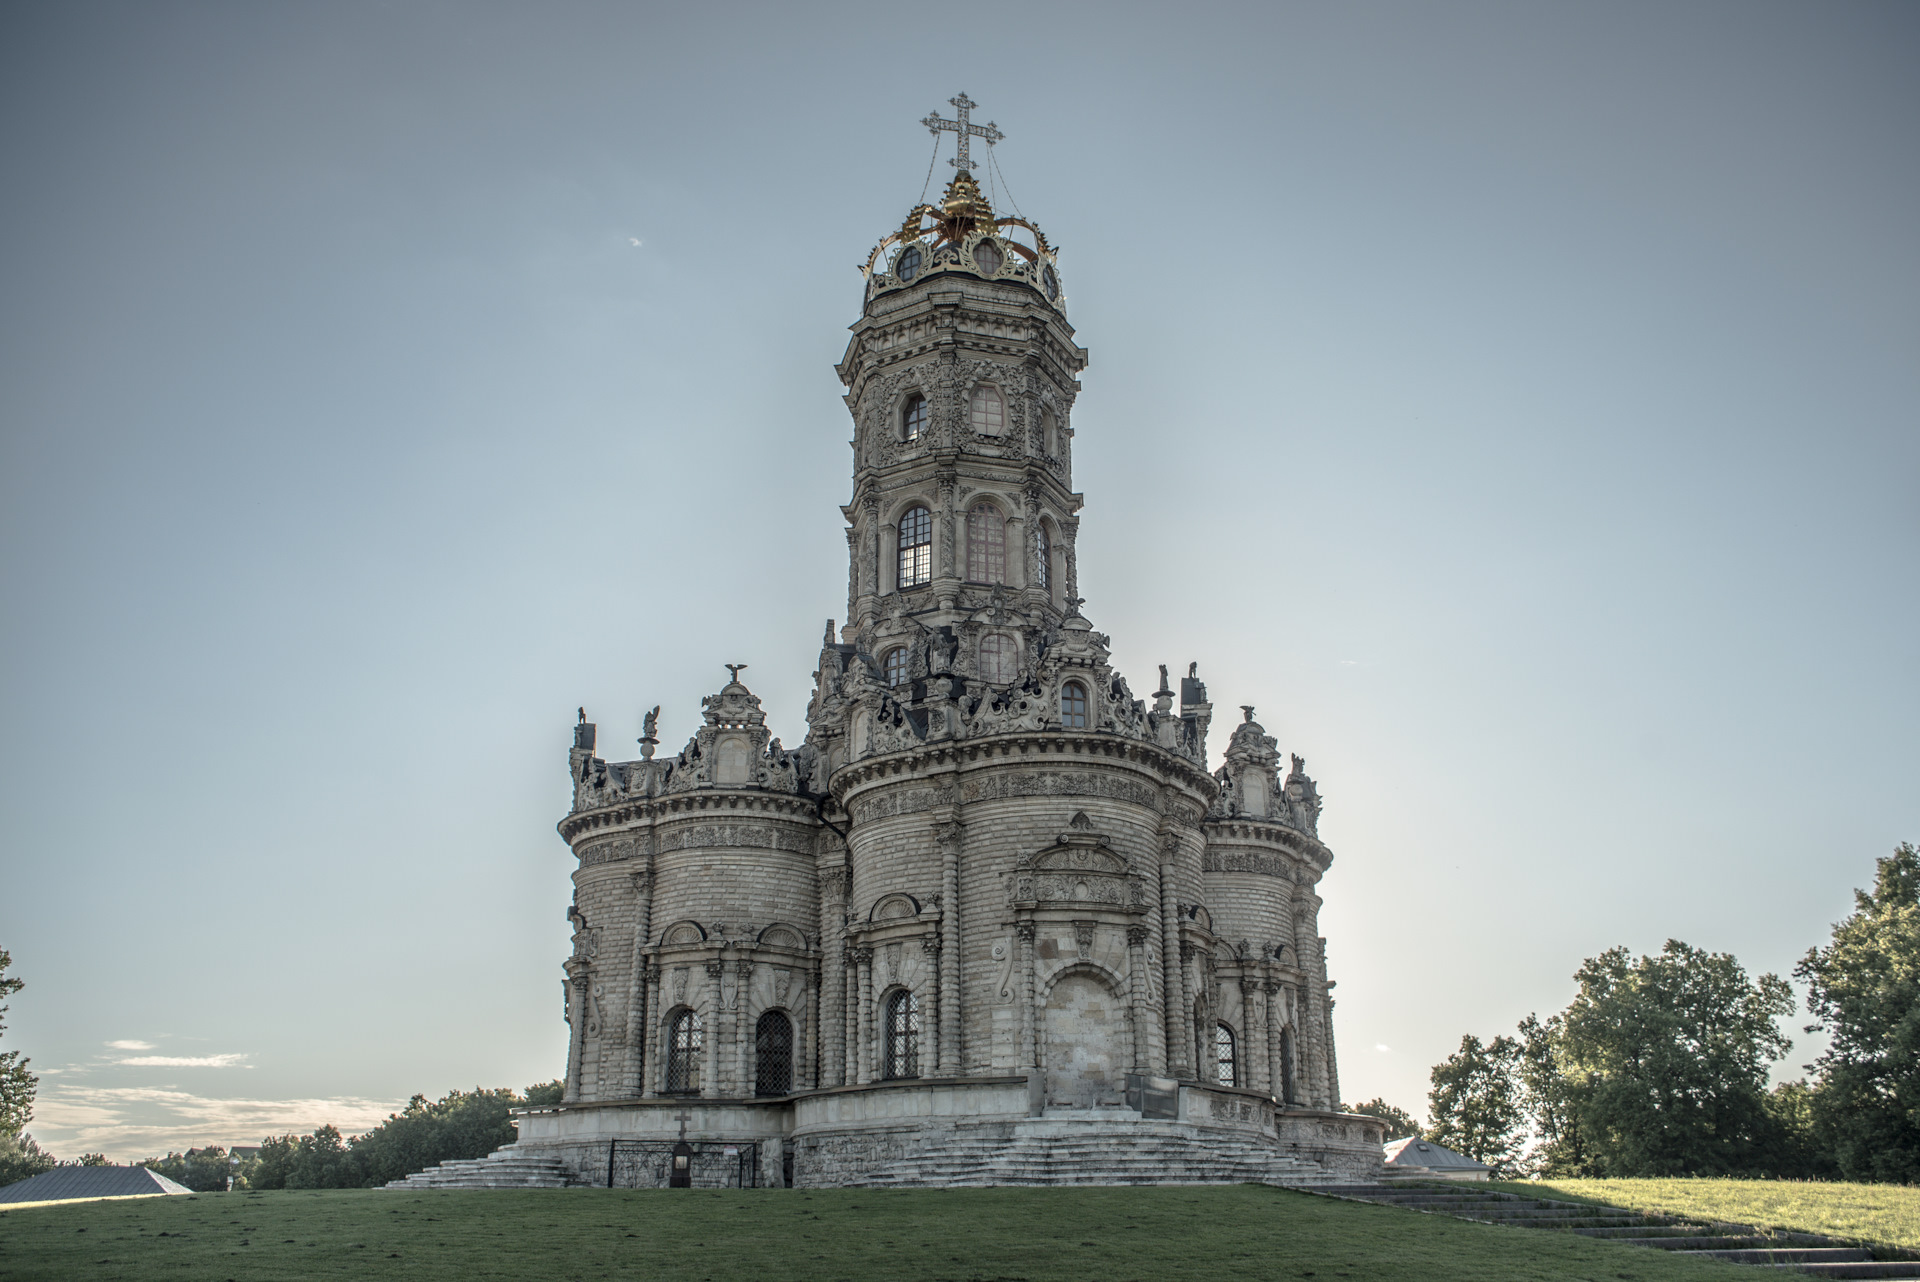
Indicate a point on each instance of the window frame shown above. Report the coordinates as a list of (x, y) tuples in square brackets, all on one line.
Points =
[(986, 529), (900, 1035), (761, 1052), (1043, 558), (986, 403), (683, 1060), (1068, 713), (888, 664), (913, 417), (913, 562), (1226, 1066), (1006, 644)]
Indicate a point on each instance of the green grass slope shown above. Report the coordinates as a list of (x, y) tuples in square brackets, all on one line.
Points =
[(1881, 1213), (1086, 1235)]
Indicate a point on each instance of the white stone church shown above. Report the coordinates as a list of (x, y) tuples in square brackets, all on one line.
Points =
[(993, 920)]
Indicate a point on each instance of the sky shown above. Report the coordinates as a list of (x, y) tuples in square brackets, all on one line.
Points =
[(1516, 403)]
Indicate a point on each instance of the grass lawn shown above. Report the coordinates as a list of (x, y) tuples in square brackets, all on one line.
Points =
[(1883, 1213), (1240, 1231)]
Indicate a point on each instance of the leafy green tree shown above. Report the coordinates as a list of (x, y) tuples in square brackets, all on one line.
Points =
[(204, 1170), (1400, 1123), (463, 1124), (17, 1085), (543, 1093), (1665, 1063), (21, 1158), (1548, 1098), (1476, 1105), (273, 1163), (322, 1160), (1864, 991)]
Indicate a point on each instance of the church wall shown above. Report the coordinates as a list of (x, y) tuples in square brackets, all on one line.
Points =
[(741, 869)]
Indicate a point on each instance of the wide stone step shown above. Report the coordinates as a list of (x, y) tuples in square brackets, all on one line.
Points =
[(1902, 1270), (1787, 1255)]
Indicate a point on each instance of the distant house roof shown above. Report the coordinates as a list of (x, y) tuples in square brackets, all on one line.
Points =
[(1414, 1151), (64, 1183)]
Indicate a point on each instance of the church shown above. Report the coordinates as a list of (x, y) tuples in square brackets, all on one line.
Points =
[(992, 920)]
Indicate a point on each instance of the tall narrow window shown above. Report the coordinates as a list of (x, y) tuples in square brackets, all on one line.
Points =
[(986, 544), (913, 419), (894, 665), (916, 547), (1043, 559), (902, 1021), (997, 655), (773, 1054), (1073, 706), (685, 1038), (1225, 1070), (988, 412)]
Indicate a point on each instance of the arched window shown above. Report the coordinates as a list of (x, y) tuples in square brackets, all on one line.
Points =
[(986, 545), (894, 665), (685, 1039), (987, 412), (773, 1054), (902, 1024), (1225, 1070), (913, 418), (916, 547), (1049, 434), (1073, 706), (1043, 558), (997, 658), (907, 265)]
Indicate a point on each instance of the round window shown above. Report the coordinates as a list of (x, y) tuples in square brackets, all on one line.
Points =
[(1050, 283), (907, 266), (987, 257)]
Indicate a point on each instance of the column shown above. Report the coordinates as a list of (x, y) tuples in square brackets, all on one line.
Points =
[(574, 992), (1188, 1034), (1170, 990), (650, 1081), (863, 963), (932, 1063), (809, 1076), (1137, 993), (1253, 1038), (1268, 1000), (1029, 1053), (948, 553), (715, 1031), (952, 1060), (850, 1018), (1333, 1061), (1069, 527), (1030, 541), (833, 978), (743, 1027), (637, 990)]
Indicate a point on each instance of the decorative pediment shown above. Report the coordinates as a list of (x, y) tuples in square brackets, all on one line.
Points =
[(682, 933), (893, 908), (781, 935), (1079, 872)]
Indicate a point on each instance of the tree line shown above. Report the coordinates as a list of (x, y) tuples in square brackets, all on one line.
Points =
[(1659, 1065)]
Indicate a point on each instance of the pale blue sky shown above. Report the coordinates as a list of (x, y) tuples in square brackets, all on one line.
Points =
[(1515, 402)]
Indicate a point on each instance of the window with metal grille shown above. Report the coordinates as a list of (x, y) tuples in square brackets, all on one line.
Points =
[(987, 412), (986, 544), (894, 665), (1043, 559), (1226, 1069), (916, 547), (1073, 706), (773, 1054), (997, 654), (902, 1021), (685, 1039), (913, 419), (907, 265)]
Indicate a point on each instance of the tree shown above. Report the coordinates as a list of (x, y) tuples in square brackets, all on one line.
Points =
[(21, 1158), (1475, 1103), (1547, 1097), (17, 1085), (1400, 1123), (1665, 1063), (463, 1124), (204, 1170), (1864, 991), (544, 1093)]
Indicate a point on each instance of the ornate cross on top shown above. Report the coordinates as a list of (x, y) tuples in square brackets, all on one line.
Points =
[(733, 672), (965, 128)]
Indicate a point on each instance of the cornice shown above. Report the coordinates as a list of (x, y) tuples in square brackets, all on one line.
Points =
[(786, 806), (1021, 747)]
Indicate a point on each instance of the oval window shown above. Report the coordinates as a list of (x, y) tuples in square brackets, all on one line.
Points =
[(1050, 283), (907, 266), (987, 257)]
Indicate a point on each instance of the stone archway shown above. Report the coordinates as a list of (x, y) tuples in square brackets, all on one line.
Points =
[(1088, 1042)]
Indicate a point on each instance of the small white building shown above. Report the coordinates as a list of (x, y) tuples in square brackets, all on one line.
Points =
[(1416, 1159)]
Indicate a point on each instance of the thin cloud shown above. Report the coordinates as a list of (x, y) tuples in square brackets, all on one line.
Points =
[(1382, 1046), (132, 1122), (129, 1045), (185, 1061)]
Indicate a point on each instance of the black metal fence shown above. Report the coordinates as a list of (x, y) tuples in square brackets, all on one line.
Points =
[(709, 1164)]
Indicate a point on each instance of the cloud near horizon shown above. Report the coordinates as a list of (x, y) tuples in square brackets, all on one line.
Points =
[(186, 1061), (130, 1045), (128, 1123)]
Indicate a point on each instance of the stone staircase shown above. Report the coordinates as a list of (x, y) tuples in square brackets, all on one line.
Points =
[(500, 1169), (1049, 1151), (1733, 1243)]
